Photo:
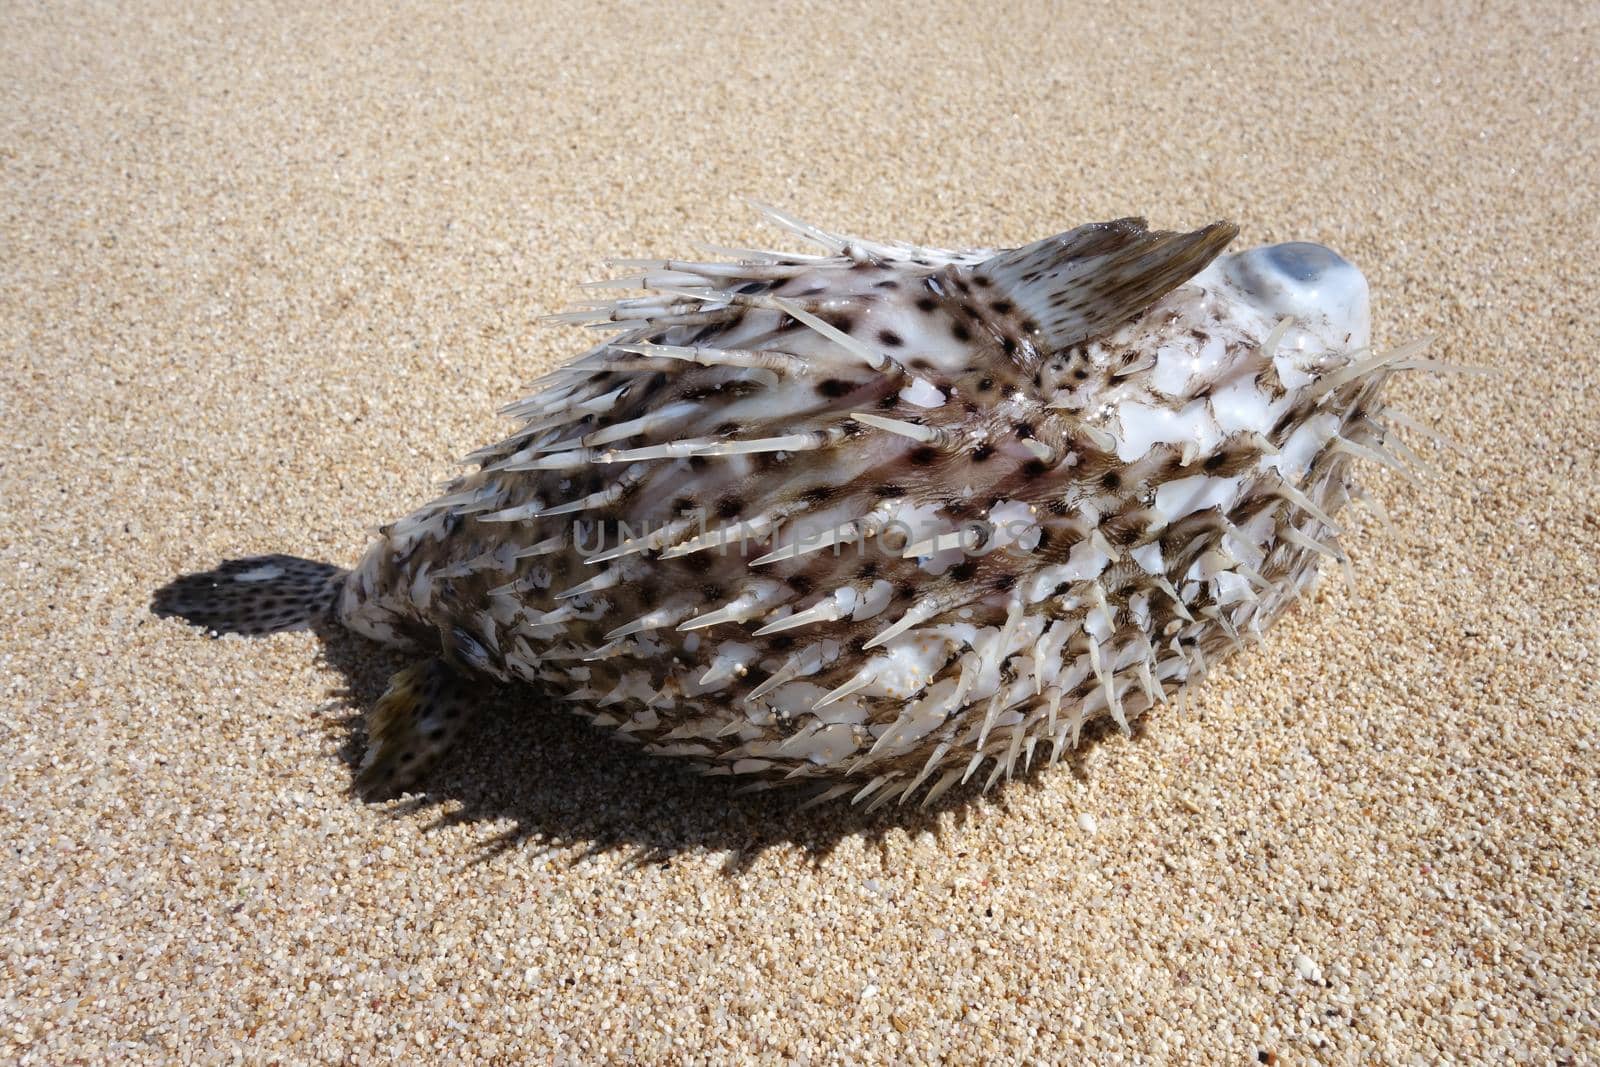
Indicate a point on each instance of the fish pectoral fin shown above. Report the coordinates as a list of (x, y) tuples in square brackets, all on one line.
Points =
[(1079, 285), (414, 723)]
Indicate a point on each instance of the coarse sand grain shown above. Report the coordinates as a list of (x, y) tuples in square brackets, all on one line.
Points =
[(269, 269)]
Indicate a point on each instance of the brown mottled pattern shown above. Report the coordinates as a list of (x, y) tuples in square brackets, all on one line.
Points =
[(1016, 421)]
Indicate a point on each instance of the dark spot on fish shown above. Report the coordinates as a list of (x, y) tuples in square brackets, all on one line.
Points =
[(1122, 529), (985, 384), (711, 591), (817, 494), (1215, 461), (981, 281), (1034, 468), (890, 338), (923, 455), (1080, 374), (1111, 480), (698, 462), (1024, 430), (726, 429), (959, 331), (1005, 581), (834, 387), (905, 592), (890, 401), (887, 283), (922, 363), (749, 288), (869, 569), (964, 570), (1003, 307), (801, 584), (729, 506), (926, 303), (782, 642), (889, 489), (1030, 326), (982, 453)]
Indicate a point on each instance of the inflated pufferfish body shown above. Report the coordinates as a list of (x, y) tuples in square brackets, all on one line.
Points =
[(875, 517)]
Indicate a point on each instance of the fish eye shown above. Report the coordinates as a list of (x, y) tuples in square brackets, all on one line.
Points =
[(1310, 283), (1302, 261)]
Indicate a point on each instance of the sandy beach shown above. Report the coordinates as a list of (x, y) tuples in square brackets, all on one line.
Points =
[(268, 273)]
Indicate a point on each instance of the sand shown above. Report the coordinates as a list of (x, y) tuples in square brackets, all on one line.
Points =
[(267, 273)]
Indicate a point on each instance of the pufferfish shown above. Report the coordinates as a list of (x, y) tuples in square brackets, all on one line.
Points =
[(873, 518)]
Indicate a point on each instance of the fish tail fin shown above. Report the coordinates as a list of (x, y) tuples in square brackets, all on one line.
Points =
[(255, 595)]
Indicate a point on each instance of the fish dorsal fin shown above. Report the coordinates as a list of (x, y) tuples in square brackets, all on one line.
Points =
[(1078, 285)]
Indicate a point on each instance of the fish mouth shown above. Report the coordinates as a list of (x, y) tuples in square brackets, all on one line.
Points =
[(1313, 285)]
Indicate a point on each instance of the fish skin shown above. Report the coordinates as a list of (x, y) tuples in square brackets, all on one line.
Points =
[(889, 513)]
